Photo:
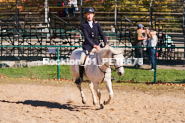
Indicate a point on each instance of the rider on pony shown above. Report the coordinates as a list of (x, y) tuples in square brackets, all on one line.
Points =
[(90, 29)]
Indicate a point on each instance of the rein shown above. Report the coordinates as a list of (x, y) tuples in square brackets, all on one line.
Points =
[(101, 69), (107, 66), (99, 66)]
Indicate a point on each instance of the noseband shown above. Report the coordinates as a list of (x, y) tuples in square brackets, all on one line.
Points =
[(114, 64)]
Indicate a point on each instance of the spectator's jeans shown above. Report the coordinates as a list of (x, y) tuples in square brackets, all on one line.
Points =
[(73, 10), (151, 54), (138, 51)]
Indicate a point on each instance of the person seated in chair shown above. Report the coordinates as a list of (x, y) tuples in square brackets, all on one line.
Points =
[(72, 4), (90, 30), (161, 38)]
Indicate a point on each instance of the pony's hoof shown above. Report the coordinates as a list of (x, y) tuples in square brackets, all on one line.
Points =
[(101, 106), (83, 101), (94, 103), (105, 103)]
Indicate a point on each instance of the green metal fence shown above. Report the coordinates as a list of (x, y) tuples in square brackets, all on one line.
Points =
[(58, 56)]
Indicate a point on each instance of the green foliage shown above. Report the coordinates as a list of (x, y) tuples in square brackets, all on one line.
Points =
[(108, 5), (135, 5)]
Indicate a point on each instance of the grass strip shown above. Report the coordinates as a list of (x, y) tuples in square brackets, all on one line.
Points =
[(131, 74)]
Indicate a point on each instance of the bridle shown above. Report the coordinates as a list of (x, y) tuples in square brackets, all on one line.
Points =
[(99, 66), (114, 64), (107, 66)]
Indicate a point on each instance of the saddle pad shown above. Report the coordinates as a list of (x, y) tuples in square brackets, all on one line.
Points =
[(89, 57)]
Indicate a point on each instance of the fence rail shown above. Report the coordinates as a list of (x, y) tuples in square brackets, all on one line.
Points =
[(58, 54)]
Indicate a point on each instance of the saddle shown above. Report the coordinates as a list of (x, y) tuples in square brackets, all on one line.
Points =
[(90, 55)]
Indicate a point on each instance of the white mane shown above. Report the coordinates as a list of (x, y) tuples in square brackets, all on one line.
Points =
[(113, 50)]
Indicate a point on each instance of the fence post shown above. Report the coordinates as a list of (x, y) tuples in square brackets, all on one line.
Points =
[(81, 12), (151, 25), (58, 67), (115, 13), (184, 24), (46, 10), (16, 17), (155, 69)]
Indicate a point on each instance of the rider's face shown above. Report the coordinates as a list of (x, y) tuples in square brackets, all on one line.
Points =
[(89, 16)]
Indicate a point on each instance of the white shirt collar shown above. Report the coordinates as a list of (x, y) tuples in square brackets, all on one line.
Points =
[(90, 23)]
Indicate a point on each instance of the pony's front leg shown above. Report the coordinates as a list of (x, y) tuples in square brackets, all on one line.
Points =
[(82, 94), (109, 88), (98, 94), (91, 86)]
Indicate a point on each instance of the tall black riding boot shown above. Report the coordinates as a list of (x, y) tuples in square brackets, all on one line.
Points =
[(80, 79)]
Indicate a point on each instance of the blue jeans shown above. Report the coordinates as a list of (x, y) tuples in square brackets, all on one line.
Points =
[(151, 54), (138, 52), (73, 10)]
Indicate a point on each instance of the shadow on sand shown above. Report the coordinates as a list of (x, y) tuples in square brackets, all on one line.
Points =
[(37, 103)]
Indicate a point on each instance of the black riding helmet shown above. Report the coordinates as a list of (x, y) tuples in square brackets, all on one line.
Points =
[(89, 9)]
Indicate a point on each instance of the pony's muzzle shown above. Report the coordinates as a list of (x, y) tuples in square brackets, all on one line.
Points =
[(120, 73)]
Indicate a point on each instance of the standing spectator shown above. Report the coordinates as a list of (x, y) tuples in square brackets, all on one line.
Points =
[(72, 4), (152, 42), (138, 42)]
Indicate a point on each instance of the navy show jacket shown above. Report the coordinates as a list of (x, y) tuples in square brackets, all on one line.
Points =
[(91, 35)]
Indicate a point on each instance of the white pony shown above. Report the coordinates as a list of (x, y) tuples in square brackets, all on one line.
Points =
[(98, 70)]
